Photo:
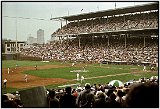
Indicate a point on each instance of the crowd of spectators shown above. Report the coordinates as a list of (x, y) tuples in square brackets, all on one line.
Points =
[(133, 52), (142, 93), (70, 51), (116, 51), (114, 23)]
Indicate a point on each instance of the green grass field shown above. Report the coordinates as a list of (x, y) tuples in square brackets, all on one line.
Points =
[(95, 70)]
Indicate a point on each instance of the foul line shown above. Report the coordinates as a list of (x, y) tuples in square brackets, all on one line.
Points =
[(106, 76)]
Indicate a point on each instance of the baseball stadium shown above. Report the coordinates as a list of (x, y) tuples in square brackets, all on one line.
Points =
[(93, 49)]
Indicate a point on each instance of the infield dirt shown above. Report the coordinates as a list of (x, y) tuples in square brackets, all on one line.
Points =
[(15, 78)]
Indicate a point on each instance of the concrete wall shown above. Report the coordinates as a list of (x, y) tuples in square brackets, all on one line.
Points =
[(34, 97)]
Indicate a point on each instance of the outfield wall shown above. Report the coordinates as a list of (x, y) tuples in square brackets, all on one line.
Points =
[(10, 56), (19, 56), (23, 57)]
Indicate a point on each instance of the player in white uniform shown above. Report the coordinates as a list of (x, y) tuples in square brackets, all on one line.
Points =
[(144, 68), (82, 79), (16, 66), (4, 83), (8, 70), (73, 64), (35, 67), (77, 76)]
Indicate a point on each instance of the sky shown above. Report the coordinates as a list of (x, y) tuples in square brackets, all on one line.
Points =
[(45, 10)]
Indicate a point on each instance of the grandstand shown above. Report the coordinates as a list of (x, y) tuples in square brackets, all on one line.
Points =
[(130, 20)]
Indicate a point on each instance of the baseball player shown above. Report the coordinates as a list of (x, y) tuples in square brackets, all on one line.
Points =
[(36, 67), (16, 66), (77, 76), (144, 68), (25, 77), (8, 70), (4, 83), (73, 64), (82, 79)]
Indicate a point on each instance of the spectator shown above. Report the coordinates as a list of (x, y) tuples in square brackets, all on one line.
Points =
[(100, 102), (4, 99), (53, 101), (119, 98), (125, 93), (112, 103), (86, 98), (143, 95), (6, 103), (68, 100), (74, 93), (19, 103), (108, 93)]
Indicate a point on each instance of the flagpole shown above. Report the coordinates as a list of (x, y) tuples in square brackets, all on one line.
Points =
[(16, 30), (51, 15), (98, 8), (79, 41)]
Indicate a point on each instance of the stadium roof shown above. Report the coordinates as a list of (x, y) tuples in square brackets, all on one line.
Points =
[(131, 9)]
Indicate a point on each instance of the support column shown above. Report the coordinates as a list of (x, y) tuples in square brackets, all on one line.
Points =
[(125, 41), (19, 47), (5, 48), (124, 22), (108, 40), (61, 24), (66, 22), (92, 40), (144, 42), (79, 42)]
